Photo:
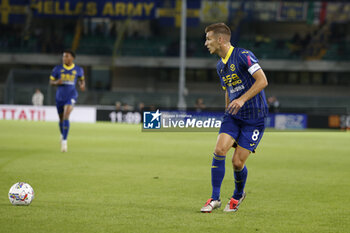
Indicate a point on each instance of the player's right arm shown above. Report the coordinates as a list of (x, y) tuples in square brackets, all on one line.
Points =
[(54, 80), (223, 85)]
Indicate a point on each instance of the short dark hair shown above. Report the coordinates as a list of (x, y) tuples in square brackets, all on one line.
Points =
[(69, 51), (218, 28)]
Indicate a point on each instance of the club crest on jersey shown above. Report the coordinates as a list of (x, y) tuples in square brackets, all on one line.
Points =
[(62, 70), (74, 72), (232, 67)]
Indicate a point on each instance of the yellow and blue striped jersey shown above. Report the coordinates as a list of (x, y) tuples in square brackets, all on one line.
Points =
[(69, 75), (236, 75)]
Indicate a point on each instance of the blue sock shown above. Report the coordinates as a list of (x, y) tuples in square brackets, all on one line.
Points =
[(65, 129), (240, 179), (61, 127), (217, 175)]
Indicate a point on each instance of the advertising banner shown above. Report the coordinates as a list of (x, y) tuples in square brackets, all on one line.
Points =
[(12, 11), (115, 9), (286, 121), (45, 113), (290, 121), (292, 11)]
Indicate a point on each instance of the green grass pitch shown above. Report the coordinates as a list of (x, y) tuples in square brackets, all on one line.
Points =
[(117, 179)]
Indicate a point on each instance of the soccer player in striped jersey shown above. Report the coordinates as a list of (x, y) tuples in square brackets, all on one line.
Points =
[(65, 77), (243, 125)]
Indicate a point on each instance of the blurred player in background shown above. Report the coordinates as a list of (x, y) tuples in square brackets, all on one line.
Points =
[(244, 122), (65, 77), (38, 98)]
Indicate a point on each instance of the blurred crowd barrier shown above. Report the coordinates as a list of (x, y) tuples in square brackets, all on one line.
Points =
[(92, 114)]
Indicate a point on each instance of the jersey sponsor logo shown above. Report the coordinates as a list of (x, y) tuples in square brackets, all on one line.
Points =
[(69, 83), (231, 80), (68, 77), (236, 89)]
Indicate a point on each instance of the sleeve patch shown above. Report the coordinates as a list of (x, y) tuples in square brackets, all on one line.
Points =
[(254, 68), (249, 62)]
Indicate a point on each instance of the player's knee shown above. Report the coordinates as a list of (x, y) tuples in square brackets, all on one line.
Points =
[(220, 150), (237, 164), (66, 115)]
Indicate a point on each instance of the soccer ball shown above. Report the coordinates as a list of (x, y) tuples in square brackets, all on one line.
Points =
[(21, 194)]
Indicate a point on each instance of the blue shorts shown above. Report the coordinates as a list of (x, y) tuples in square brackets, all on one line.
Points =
[(60, 104), (246, 133)]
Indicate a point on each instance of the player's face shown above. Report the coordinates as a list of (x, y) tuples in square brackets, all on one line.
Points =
[(67, 58), (212, 42)]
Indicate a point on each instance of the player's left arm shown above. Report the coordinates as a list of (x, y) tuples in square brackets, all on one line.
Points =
[(259, 84), (81, 80), (82, 84)]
